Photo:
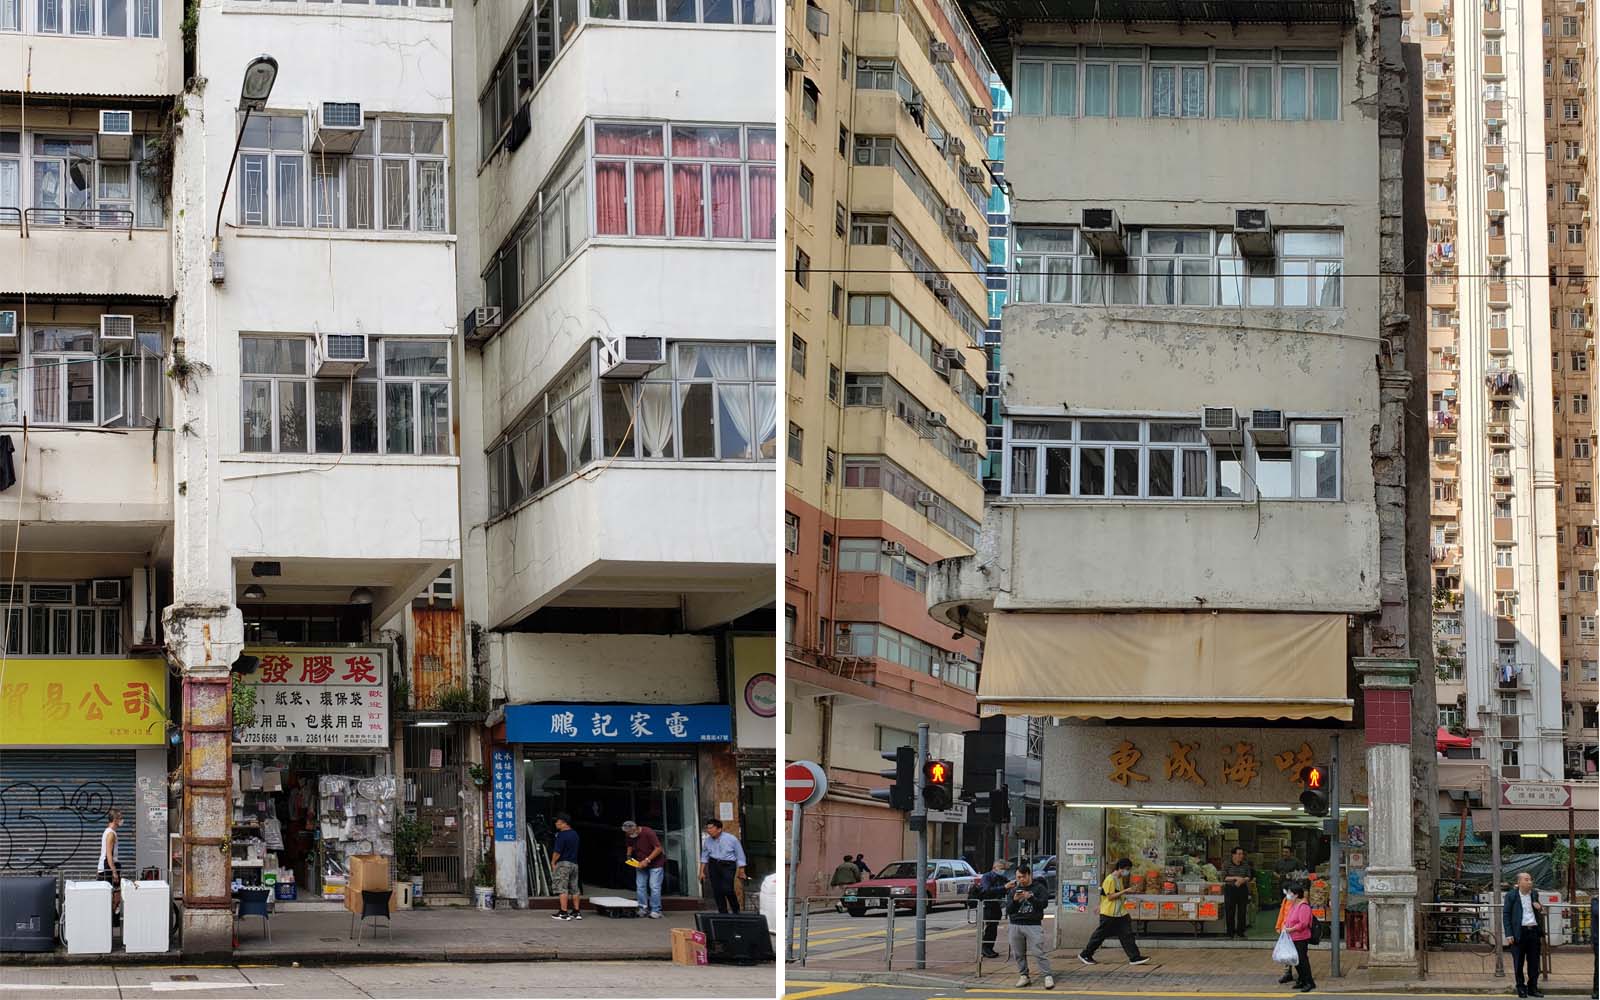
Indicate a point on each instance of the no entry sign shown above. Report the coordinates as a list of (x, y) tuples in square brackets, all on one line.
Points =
[(804, 783)]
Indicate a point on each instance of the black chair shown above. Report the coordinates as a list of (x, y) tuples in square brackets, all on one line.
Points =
[(375, 904), (256, 904)]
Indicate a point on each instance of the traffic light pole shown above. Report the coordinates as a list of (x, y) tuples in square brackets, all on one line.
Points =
[(1335, 856), (919, 816)]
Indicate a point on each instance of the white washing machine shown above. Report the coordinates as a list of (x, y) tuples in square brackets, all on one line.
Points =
[(86, 918), (146, 916)]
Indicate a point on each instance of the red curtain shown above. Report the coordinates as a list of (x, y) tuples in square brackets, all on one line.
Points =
[(763, 202), (610, 198), (627, 140), (688, 200), (763, 144), (649, 200), (705, 140), (727, 210)]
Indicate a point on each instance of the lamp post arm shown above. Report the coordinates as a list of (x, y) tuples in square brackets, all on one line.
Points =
[(223, 200)]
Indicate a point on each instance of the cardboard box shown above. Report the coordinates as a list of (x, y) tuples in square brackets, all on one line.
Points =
[(369, 871), (688, 947)]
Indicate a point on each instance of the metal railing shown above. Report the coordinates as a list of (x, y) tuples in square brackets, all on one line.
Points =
[(1473, 927), (12, 218), (800, 951), (78, 218)]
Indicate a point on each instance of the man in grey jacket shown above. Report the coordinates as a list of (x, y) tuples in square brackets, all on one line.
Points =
[(1026, 903)]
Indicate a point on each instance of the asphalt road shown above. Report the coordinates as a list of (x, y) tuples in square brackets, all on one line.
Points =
[(482, 981), (836, 938), (799, 988)]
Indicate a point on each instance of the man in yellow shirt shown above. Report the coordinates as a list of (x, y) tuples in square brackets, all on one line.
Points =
[(1112, 918)]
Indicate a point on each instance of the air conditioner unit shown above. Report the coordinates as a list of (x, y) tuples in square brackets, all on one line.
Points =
[(480, 324), (941, 52), (631, 357), (1220, 425), (927, 498), (116, 135), (969, 446), (954, 146), (934, 418), (955, 356), (105, 592), (521, 125), (1102, 230), (941, 367), (793, 59), (893, 548), (982, 117), (116, 327), (816, 21), (954, 218), (1252, 231), (339, 127), (941, 288), (1269, 427), (341, 353), (967, 234), (974, 175)]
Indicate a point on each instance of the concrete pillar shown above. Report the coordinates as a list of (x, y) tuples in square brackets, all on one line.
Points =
[(1391, 882)]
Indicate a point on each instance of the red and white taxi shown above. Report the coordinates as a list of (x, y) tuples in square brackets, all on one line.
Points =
[(949, 880)]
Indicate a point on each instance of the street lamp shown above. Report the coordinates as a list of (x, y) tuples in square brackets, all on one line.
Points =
[(259, 77)]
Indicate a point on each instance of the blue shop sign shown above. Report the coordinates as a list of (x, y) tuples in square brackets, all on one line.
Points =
[(504, 793), (568, 723)]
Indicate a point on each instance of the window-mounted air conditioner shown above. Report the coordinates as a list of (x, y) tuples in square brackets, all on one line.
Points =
[(954, 218), (955, 356), (974, 175), (969, 446), (1220, 425), (955, 146), (631, 357), (341, 353), (8, 328), (927, 498), (1102, 230), (936, 419), (116, 327), (1583, 196), (967, 234), (981, 117), (1269, 427), (1252, 231), (941, 367), (480, 324), (105, 592), (941, 289), (116, 135), (339, 127), (894, 548), (941, 52), (793, 59)]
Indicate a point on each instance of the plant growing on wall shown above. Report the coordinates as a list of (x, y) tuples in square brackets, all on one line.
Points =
[(399, 691), (183, 371), (244, 703), (478, 774), (461, 698)]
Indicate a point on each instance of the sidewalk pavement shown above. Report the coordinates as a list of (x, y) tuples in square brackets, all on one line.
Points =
[(1216, 970), (453, 934)]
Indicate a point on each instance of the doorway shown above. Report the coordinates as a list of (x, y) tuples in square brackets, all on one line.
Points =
[(435, 776)]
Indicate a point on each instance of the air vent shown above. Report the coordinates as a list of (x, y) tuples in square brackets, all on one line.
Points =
[(116, 327), (106, 592)]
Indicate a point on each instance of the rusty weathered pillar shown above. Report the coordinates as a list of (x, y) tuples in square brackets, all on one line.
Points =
[(1391, 881), (204, 642)]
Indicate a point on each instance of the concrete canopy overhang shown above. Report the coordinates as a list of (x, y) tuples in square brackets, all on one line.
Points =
[(393, 582)]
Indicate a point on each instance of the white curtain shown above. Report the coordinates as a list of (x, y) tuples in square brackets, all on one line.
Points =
[(558, 421), (730, 364), (767, 421), (652, 417), (582, 411)]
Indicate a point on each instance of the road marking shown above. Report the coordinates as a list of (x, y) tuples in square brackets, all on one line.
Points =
[(155, 987), (820, 989), (901, 940)]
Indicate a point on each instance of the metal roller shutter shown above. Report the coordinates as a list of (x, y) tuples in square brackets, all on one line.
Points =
[(53, 806)]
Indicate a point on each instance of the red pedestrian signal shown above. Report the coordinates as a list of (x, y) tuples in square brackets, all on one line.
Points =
[(936, 781), (1313, 778), (1314, 800)]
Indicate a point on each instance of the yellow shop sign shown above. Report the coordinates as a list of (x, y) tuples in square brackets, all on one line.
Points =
[(84, 702)]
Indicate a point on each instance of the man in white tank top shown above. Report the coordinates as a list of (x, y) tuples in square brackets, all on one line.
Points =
[(107, 867)]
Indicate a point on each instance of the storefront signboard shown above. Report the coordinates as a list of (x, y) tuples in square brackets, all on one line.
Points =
[(503, 773), (83, 702), (1156, 764), (755, 691), (616, 723), (327, 697)]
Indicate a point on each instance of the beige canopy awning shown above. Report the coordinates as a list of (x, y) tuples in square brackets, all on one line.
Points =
[(1176, 666)]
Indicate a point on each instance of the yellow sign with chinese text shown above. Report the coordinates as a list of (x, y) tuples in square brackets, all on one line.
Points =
[(83, 702)]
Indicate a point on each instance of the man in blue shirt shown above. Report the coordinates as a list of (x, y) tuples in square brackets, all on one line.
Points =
[(722, 859), (564, 868)]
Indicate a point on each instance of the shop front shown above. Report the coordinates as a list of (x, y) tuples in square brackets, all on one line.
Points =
[(313, 780), (603, 764), (1178, 802), (755, 689), (81, 737)]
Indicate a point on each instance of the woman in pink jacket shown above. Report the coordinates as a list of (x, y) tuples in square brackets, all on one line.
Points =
[(1298, 924)]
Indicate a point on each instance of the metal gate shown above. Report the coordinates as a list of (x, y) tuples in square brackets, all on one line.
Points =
[(53, 806), (439, 802)]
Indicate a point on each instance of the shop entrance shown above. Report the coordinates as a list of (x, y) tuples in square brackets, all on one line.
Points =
[(758, 801), (435, 777), (602, 789)]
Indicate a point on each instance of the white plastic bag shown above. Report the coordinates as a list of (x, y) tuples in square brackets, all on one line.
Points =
[(1284, 951)]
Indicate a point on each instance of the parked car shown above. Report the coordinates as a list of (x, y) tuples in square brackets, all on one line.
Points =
[(949, 880)]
